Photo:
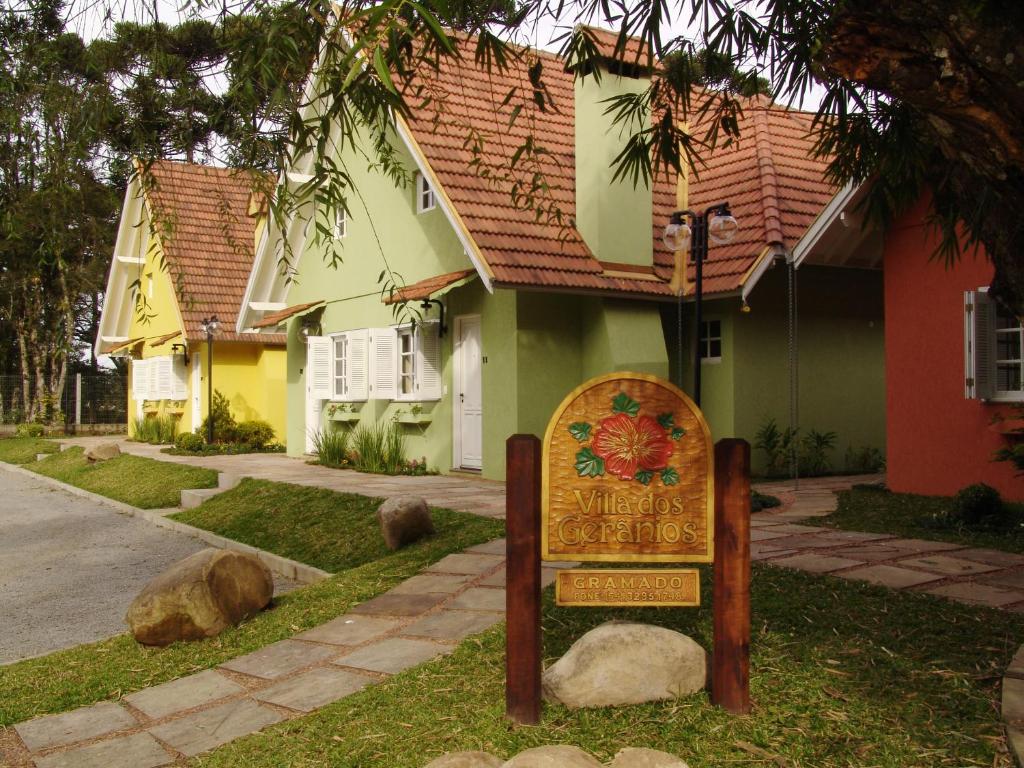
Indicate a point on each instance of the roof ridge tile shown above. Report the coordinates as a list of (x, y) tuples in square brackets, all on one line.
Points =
[(769, 180)]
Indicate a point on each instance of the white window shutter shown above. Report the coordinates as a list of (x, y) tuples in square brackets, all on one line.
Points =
[(980, 345), (179, 378), (358, 364), (383, 363), (319, 382), (428, 350), (140, 380), (164, 384)]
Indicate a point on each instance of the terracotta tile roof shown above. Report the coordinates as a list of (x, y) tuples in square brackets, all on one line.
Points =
[(424, 289), (201, 215), (159, 341), (635, 50), (769, 176), (276, 318)]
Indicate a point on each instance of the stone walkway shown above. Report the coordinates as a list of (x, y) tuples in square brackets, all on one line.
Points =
[(420, 619)]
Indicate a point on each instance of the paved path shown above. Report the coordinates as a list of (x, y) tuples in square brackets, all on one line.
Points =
[(70, 566)]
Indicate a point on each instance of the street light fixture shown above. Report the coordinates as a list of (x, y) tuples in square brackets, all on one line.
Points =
[(690, 230), (209, 326)]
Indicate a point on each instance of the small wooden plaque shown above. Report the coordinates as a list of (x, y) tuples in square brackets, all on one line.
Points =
[(628, 587), (628, 475)]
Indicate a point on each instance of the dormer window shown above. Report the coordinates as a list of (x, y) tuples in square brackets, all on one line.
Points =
[(340, 224), (425, 200)]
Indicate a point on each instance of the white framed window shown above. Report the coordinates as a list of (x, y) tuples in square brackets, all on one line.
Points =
[(159, 378), (418, 362), (993, 350), (341, 366), (711, 341), (348, 365), (406, 385), (340, 224), (425, 200)]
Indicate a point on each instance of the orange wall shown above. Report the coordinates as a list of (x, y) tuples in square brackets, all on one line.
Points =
[(938, 441)]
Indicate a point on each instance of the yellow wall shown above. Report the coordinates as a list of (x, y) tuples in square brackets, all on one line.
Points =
[(250, 375)]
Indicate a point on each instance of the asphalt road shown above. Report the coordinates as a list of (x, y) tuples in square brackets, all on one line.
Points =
[(69, 566)]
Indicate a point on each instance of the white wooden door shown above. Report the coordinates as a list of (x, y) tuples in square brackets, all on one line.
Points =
[(197, 390), (468, 394)]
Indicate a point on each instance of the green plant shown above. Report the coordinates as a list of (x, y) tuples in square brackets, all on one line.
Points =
[(979, 506), (255, 433), (224, 425), (814, 449), (29, 430), (331, 446), (759, 501), (379, 448), (154, 430), (189, 441), (778, 447), (864, 460)]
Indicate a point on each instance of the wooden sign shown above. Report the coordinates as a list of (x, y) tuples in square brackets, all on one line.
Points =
[(627, 475), (628, 587)]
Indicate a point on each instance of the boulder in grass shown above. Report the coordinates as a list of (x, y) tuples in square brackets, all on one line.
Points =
[(102, 452), (632, 757), (200, 596), (557, 756), (621, 663), (404, 520), (466, 760)]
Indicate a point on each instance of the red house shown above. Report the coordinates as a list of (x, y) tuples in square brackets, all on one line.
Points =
[(953, 358)]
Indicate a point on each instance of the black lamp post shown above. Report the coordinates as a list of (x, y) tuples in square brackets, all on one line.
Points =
[(688, 229), (209, 326)]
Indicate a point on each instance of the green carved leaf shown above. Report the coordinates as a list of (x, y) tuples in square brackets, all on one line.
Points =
[(644, 476), (623, 403), (589, 465), (677, 432), (665, 419), (669, 476), (580, 430)]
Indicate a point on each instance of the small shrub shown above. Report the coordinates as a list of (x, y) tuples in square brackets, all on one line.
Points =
[(255, 433), (379, 449), (759, 501), (224, 425), (864, 460), (331, 447), (979, 506), (29, 430), (190, 442), (778, 446), (814, 450), (154, 430)]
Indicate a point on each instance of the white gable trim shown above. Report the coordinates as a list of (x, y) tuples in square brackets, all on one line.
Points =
[(829, 215), (116, 314), (765, 262)]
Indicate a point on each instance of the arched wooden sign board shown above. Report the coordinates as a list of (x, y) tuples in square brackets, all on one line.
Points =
[(627, 475)]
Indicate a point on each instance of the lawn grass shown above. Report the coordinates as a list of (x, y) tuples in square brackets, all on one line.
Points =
[(912, 516), (328, 530), (23, 450), (111, 668), (135, 480), (844, 675)]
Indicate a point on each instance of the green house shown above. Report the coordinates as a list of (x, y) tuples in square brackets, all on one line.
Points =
[(450, 305)]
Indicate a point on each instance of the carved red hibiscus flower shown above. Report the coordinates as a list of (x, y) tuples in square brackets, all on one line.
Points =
[(630, 444)]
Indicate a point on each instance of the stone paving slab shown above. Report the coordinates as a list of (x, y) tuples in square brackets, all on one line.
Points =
[(392, 655), (472, 565), (890, 576), (213, 727), (809, 541), (391, 604), (757, 554), (814, 563), (480, 599), (979, 594), (1013, 579), (766, 534), (314, 689), (185, 693), (496, 547), (425, 583), (137, 751), (278, 659), (77, 725), (452, 626), (349, 630), (993, 557), (883, 550), (948, 566)]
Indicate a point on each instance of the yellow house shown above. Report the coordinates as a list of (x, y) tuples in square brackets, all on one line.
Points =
[(185, 247)]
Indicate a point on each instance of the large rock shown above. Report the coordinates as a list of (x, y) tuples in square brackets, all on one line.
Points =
[(626, 663), (103, 452), (404, 520), (632, 757), (466, 760), (200, 596), (558, 756)]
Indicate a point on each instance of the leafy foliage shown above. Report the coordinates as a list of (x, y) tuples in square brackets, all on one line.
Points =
[(331, 447), (580, 430), (156, 430), (588, 464), (623, 403), (225, 428)]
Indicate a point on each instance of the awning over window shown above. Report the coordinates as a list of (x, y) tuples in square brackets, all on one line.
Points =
[(431, 287), (159, 341), (276, 318), (125, 345)]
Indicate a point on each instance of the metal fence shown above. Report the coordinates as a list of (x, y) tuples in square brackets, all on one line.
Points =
[(89, 403)]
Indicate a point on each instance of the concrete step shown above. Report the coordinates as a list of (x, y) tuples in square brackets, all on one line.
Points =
[(227, 481), (41, 456), (195, 496)]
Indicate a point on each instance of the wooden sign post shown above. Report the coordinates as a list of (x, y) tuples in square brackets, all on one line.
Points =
[(627, 474)]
